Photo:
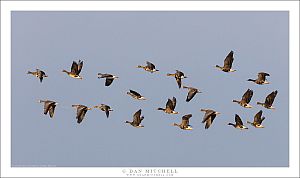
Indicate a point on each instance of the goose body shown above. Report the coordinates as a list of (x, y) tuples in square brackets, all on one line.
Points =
[(105, 108), (150, 67), (178, 76), (136, 95), (137, 119), (170, 106), (227, 63), (109, 78), (191, 93), (39, 74), (261, 78), (269, 100), (257, 120), (245, 99), (238, 123), (81, 111), (75, 70), (49, 107), (209, 117), (185, 123)]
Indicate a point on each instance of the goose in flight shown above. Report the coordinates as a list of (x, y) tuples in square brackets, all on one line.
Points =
[(245, 99), (261, 78), (209, 117), (81, 111), (191, 93), (170, 106), (238, 123), (75, 70), (109, 78), (136, 95), (105, 108), (257, 120), (39, 74), (137, 119), (49, 106), (178, 76), (227, 63), (269, 100), (150, 67), (184, 123)]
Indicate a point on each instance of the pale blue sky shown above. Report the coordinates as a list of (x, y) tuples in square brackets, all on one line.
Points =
[(116, 42)]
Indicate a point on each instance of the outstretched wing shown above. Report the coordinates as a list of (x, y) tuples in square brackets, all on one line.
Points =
[(79, 66), (41, 74), (207, 115), (270, 98), (192, 92), (238, 120), (178, 80), (108, 81), (185, 120), (137, 117), (174, 102), (135, 93), (247, 96), (169, 104), (257, 117), (74, 68), (47, 106), (150, 65), (51, 110), (262, 76), (228, 60)]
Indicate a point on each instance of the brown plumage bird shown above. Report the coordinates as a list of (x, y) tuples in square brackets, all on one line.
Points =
[(49, 106), (75, 70), (238, 123), (185, 123), (261, 78), (137, 119), (191, 93), (170, 106), (245, 99), (178, 76), (257, 120), (269, 100), (209, 117), (109, 78), (105, 108), (81, 111), (227, 63), (135, 95), (150, 67), (39, 74)]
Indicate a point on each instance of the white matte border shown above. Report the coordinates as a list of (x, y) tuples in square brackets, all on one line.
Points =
[(8, 6)]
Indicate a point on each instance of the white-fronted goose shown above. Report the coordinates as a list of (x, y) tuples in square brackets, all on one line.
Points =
[(227, 63), (261, 78), (269, 100), (209, 117), (170, 106), (238, 123), (192, 92), (136, 95), (245, 99), (81, 111), (49, 106), (185, 123), (75, 70), (39, 74), (109, 78), (137, 119), (150, 67), (105, 108), (178, 76), (257, 120)]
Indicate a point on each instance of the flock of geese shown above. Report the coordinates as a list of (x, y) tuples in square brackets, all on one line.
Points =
[(209, 116)]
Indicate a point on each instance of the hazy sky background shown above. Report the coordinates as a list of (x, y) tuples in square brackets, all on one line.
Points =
[(116, 42)]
